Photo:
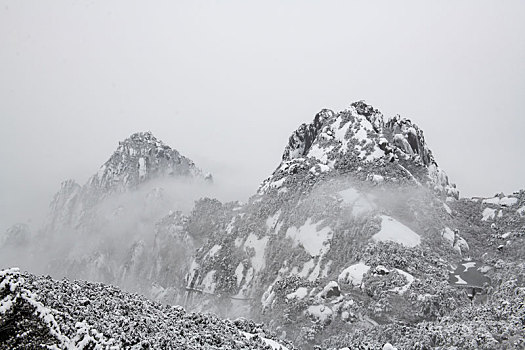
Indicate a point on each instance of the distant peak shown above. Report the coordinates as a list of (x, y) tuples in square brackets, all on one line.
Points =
[(141, 157), (143, 135), (143, 138)]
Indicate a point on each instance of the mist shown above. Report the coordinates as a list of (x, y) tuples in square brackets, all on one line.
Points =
[(111, 228), (226, 83)]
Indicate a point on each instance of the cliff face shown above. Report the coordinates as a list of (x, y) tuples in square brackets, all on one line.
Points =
[(360, 138)]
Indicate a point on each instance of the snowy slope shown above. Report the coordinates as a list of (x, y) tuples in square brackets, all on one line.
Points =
[(38, 312)]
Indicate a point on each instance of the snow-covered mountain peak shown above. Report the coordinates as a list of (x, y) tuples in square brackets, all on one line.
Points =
[(360, 139), (141, 157), (137, 161)]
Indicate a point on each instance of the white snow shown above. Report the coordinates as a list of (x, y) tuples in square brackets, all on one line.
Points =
[(447, 209), (247, 279), (142, 167), (484, 269), (350, 195), (341, 133), (460, 280), (272, 343), (269, 295), (448, 235), (271, 222), (353, 274), (208, 284), (488, 214), (277, 183), (440, 180), (326, 269), (389, 346), (320, 312), (313, 241), (275, 345), (214, 250), (360, 203), (400, 138), (259, 246), (393, 230), (315, 273), (83, 334), (319, 153), (6, 304), (307, 267), (508, 201), (361, 135), (239, 273), (461, 245), (299, 294), (403, 289), (494, 200), (504, 201), (324, 168), (329, 286), (377, 178), (468, 265), (377, 153)]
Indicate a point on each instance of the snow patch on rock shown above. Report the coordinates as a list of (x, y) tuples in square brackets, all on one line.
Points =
[(313, 241), (258, 246), (361, 204), (320, 312), (299, 294), (353, 274), (393, 230), (503, 201), (488, 214)]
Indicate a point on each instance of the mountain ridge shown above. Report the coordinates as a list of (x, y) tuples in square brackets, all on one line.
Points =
[(356, 230)]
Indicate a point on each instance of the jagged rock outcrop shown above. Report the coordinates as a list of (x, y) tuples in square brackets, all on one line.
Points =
[(357, 139), (140, 158)]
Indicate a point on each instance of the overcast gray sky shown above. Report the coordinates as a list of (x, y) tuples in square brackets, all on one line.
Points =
[(226, 82)]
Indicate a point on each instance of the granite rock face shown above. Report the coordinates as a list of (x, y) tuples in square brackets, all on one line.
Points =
[(139, 158), (361, 137)]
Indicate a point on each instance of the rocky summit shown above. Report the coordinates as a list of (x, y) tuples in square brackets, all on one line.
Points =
[(357, 240), (361, 141), (139, 158)]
